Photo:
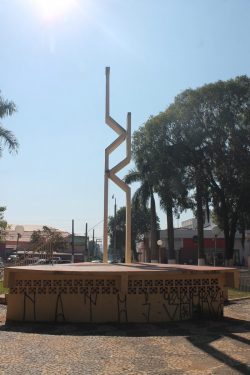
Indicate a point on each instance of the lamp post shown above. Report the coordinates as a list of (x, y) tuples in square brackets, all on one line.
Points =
[(73, 242), (159, 243), (114, 231), (216, 232), (215, 238), (248, 250), (17, 240)]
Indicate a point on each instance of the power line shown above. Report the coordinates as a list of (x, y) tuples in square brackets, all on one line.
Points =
[(95, 225)]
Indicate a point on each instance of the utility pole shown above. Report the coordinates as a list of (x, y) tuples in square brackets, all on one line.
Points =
[(96, 248), (93, 242), (86, 241), (73, 243), (114, 250)]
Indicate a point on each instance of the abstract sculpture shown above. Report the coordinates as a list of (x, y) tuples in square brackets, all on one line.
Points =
[(111, 173)]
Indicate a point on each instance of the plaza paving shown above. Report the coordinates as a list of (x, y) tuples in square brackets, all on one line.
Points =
[(202, 347)]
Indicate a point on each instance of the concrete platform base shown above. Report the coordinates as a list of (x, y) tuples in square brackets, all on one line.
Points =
[(138, 292)]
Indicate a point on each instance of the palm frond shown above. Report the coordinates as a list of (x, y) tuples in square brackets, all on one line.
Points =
[(7, 108), (8, 139), (132, 176), (141, 196)]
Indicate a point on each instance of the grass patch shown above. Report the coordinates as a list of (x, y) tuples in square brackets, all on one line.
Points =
[(236, 293), (2, 289)]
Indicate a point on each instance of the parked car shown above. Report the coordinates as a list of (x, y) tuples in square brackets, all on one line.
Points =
[(12, 258), (41, 261)]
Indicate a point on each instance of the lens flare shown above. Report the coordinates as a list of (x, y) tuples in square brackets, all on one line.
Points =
[(51, 10)]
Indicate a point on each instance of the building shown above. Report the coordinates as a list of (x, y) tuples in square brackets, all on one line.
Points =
[(186, 247), (18, 237)]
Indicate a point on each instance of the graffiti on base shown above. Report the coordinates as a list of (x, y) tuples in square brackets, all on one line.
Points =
[(59, 312), (122, 308), (179, 299), (92, 301), (147, 308), (28, 298)]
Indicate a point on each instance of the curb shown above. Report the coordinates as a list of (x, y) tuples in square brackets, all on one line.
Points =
[(3, 299), (237, 299)]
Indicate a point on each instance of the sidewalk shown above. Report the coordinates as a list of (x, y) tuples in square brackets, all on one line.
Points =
[(202, 347)]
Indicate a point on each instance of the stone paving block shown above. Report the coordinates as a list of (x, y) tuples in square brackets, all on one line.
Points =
[(203, 347)]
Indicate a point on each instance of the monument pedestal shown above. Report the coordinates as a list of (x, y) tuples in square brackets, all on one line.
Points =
[(137, 292)]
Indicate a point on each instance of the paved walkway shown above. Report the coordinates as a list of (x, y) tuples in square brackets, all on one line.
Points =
[(203, 347)]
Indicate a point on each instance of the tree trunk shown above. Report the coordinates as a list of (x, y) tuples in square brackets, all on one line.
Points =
[(171, 249), (147, 250), (229, 231), (201, 254), (134, 252), (230, 252), (153, 230)]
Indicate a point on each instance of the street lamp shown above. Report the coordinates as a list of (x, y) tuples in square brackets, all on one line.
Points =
[(160, 243)]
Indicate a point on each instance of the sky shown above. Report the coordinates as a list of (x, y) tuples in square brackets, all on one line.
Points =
[(52, 65)]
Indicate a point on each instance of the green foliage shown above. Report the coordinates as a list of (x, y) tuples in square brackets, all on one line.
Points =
[(144, 194), (212, 123), (3, 223), (155, 155), (140, 218), (48, 236), (2, 289), (7, 138), (197, 153), (236, 293)]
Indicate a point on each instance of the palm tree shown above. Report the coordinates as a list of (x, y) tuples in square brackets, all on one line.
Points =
[(7, 138), (141, 198)]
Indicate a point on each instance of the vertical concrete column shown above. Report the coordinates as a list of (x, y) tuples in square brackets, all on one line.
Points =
[(123, 135)]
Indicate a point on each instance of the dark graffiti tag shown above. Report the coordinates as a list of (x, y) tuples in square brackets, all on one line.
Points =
[(147, 307), (172, 300), (122, 308), (27, 298), (92, 298), (59, 313)]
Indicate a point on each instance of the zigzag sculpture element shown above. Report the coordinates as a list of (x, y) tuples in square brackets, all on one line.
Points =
[(123, 135)]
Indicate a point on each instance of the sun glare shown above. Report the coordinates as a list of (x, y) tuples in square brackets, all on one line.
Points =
[(51, 10)]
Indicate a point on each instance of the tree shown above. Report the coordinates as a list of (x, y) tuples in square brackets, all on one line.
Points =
[(212, 124), (3, 223), (142, 196), (48, 236), (230, 182), (117, 234), (187, 135), (7, 138), (140, 218), (152, 147), (94, 250)]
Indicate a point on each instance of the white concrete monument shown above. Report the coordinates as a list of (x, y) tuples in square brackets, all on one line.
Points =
[(123, 135)]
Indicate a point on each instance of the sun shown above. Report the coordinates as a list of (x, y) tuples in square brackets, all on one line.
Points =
[(51, 10)]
